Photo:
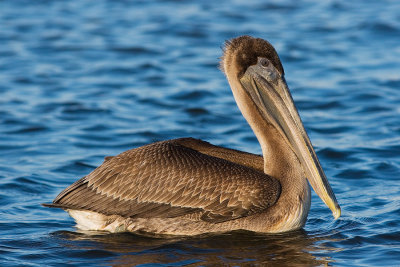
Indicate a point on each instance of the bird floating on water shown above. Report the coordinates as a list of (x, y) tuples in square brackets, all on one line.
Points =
[(187, 186)]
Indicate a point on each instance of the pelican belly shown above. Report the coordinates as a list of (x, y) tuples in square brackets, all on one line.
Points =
[(94, 221), (185, 225)]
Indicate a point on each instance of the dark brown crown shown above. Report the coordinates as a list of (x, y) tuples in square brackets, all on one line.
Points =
[(243, 52)]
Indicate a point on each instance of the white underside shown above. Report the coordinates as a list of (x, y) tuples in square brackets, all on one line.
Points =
[(93, 221)]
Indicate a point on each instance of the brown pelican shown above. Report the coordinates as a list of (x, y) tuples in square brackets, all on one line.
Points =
[(188, 186)]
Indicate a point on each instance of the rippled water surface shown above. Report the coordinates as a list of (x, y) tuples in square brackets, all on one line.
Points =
[(81, 80)]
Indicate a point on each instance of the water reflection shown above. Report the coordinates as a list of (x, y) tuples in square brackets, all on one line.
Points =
[(234, 248)]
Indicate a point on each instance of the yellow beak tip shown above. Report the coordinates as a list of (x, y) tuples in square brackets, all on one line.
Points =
[(337, 212)]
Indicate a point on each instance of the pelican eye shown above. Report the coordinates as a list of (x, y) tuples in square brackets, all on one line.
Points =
[(263, 62)]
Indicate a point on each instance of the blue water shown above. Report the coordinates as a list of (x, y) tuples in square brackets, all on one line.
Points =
[(81, 80)]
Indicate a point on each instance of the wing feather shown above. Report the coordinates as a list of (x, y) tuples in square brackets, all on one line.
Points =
[(172, 178)]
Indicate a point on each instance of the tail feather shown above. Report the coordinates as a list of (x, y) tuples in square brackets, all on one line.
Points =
[(52, 205)]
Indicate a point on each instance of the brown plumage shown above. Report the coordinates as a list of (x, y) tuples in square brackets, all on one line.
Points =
[(188, 186), (150, 181)]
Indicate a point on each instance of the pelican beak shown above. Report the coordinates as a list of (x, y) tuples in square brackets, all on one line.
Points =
[(269, 91)]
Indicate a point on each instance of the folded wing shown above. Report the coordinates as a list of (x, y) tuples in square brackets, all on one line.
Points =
[(168, 179)]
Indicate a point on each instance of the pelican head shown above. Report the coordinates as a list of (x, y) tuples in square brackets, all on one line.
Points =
[(255, 73)]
